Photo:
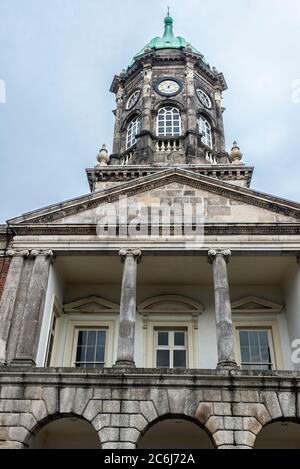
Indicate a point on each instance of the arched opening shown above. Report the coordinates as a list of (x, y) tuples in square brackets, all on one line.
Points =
[(132, 130), (175, 432), (168, 122), (205, 130), (68, 432), (279, 435)]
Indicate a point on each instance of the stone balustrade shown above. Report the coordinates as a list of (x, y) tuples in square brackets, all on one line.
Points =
[(169, 145)]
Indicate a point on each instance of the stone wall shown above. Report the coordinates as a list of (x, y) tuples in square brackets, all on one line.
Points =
[(230, 405)]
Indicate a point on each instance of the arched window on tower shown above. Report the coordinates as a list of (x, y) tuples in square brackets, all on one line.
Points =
[(168, 122), (205, 130), (132, 130)]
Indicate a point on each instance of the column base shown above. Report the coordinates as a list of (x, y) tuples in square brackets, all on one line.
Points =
[(124, 364), (227, 364)]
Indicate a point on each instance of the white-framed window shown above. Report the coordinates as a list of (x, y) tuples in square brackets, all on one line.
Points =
[(132, 130), (51, 337), (168, 122), (90, 347), (171, 348), (257, 347), (205, 130)]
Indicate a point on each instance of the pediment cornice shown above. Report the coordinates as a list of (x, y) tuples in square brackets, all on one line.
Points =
[(248, 196)]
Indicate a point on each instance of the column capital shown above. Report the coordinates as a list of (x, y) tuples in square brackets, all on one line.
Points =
[(133, 252), (17, 253), (40, 252), (213, 253)]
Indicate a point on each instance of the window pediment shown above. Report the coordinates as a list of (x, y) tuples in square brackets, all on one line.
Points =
[(91, 304), (253, 304), (171, 304)]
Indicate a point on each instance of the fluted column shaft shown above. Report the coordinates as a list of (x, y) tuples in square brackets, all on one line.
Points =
[(125, 356), (224, 327)]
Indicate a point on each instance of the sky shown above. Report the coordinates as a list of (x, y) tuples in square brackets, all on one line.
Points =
[(58, 59)]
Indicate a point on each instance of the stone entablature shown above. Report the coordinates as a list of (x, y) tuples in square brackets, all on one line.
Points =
[(101, 178), (231, 405)]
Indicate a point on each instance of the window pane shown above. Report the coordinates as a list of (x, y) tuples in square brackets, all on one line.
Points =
[(244, 340), (101, 338), (263, 338), (50, 350), (100, 354), (82, 336), (91, 338), (265, 354), (162, 358), (255, 355), (253, 338), (162, 338), (245, 354), (80, 354), (179, 358), (90, 354), (179, 338)]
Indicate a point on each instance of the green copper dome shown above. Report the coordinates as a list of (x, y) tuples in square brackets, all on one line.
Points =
[(168, 41)]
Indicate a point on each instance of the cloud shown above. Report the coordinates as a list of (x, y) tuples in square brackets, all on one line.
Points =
[(58, 62)]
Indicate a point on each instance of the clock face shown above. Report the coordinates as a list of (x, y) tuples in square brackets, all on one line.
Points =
[(203, 98), (169, 87), (133, 99)]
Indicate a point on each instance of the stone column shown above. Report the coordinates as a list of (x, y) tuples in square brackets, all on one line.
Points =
[(8, 299), (225, 343), (33, 310), (125, 357)]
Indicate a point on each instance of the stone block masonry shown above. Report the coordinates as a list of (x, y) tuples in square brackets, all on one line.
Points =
[(121, 404)]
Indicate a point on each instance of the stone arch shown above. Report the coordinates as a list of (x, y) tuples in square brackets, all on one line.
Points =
[(134, 113), (168, 430), (168, 102), (282, 433), (77, 431)]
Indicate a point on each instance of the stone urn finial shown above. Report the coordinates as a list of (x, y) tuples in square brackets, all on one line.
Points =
[(236, 155), (103, 156)]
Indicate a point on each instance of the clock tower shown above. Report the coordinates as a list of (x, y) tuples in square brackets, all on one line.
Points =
[(168, 113), (169, 105)]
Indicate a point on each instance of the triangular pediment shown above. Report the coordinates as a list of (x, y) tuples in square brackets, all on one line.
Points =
[(223, 202), (91, 304), (253, 304)]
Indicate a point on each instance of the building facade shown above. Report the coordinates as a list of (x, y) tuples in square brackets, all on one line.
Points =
[(162, 308)]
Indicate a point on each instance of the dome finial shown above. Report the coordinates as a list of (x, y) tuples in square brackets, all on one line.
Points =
[(168, 33)]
